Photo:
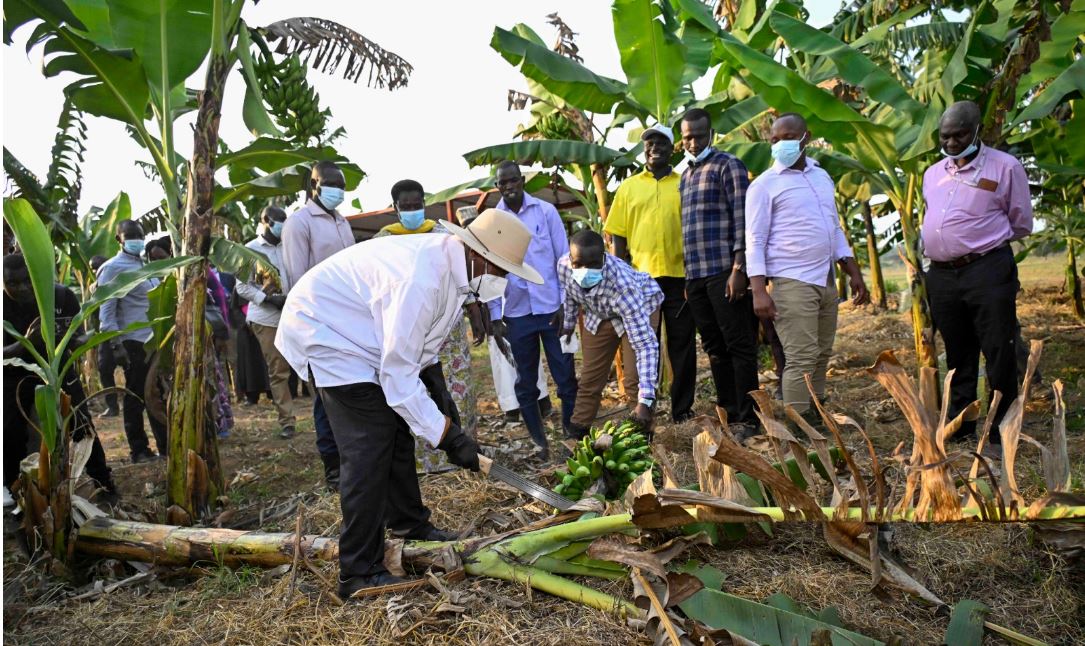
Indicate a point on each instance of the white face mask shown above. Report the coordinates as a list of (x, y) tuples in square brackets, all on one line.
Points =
[(488, 287)]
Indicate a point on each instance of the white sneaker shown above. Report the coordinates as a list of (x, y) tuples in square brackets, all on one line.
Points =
[(8, 500)]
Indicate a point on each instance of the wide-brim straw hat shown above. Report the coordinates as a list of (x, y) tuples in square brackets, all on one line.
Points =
[(499, 237)]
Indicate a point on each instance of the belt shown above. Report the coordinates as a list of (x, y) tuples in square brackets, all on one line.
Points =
[(966, 259)]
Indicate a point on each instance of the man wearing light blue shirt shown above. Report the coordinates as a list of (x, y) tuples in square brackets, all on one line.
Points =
[(128, 352), (529, 310)]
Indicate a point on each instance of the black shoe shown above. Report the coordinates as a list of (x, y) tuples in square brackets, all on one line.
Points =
[(545, 407), (542, 453), (287, 432), (331, 471), (575, 432), (742, 432), (108, 412), (678, 418), (355, 583), (146, 455), (512, 417), (432, 534)]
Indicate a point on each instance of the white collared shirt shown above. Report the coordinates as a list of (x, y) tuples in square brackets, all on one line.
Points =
[(378, 313), (792, 227), (258, 312)]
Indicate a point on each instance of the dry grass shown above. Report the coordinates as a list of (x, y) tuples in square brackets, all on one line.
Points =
[(1027, 588)]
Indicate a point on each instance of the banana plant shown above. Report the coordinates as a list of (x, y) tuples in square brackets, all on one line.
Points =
[(661, 56), (131, 60), (52, 354)]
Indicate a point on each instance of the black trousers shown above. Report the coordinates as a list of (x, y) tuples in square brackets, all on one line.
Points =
[(729, 335), (378, 483), (975, 310), (106, 365), (135, 379), (681, 344), (19, 399)]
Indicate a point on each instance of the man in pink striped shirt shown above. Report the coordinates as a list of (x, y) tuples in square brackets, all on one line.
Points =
[(977, 202)]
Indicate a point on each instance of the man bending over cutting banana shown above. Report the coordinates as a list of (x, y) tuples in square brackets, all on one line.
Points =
[(365, 326)]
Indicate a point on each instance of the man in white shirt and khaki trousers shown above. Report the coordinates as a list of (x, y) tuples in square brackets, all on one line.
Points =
[(367, 325), (793, 236)]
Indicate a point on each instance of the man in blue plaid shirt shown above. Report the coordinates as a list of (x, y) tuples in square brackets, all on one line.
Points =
[(713, 234), (621, 306)]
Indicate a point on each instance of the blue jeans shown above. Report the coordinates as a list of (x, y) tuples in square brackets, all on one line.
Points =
[(524, 336), (325, 441)]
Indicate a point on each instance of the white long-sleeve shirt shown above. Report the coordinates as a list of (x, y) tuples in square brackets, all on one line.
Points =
[(259, 312), (792, 227), (378, 313)]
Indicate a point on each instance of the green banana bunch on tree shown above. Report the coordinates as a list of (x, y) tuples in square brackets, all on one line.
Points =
[(290, 98), (615, 454)]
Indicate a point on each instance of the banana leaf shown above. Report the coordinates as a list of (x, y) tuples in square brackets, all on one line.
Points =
[(850, 64), (574, 83), (1070, 81), (652, 56), (966, 624), (765, 624), (235, 258), (172, 38), (551, 153)]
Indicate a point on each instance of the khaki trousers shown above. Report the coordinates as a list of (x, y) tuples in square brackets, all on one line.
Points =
[(278, 371), (598, 350), (806, 325)]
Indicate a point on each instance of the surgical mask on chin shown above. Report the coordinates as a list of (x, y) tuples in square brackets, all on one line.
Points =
[(276, 229), (411, 220), (787, 151), (699, 157), (331, 196), (972, 147), (587, 277), (134, 247)]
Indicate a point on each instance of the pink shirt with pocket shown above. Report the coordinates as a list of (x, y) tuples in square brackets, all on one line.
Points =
[(975, 208)]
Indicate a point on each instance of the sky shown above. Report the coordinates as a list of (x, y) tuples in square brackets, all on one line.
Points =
[(456, 100)]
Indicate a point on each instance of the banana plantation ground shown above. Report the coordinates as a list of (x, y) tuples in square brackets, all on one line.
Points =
[(273, 482)]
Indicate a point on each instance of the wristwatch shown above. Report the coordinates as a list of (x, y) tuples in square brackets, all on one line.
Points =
[(647, 402)]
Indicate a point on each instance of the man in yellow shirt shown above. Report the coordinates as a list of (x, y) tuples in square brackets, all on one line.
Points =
[(645, 223)]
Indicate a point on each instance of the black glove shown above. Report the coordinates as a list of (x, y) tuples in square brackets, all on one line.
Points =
[(120, 355), (462, 450), (433, 378), (499, 332), (276, 300)]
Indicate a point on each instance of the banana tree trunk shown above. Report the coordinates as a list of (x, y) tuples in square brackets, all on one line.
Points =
[(46, 494), (922, 322), (194, 474), (1073, 280), (599, 181), (877, 281)]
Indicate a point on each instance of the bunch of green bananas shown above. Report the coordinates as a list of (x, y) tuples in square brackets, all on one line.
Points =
[(556, 126), (618, 453), (290, 99)]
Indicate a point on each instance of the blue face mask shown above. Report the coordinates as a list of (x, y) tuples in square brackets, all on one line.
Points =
[(411, 220), (134, 247), (331, 196), (787, 151), (972, 147), (276, 229), (587, 277)]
